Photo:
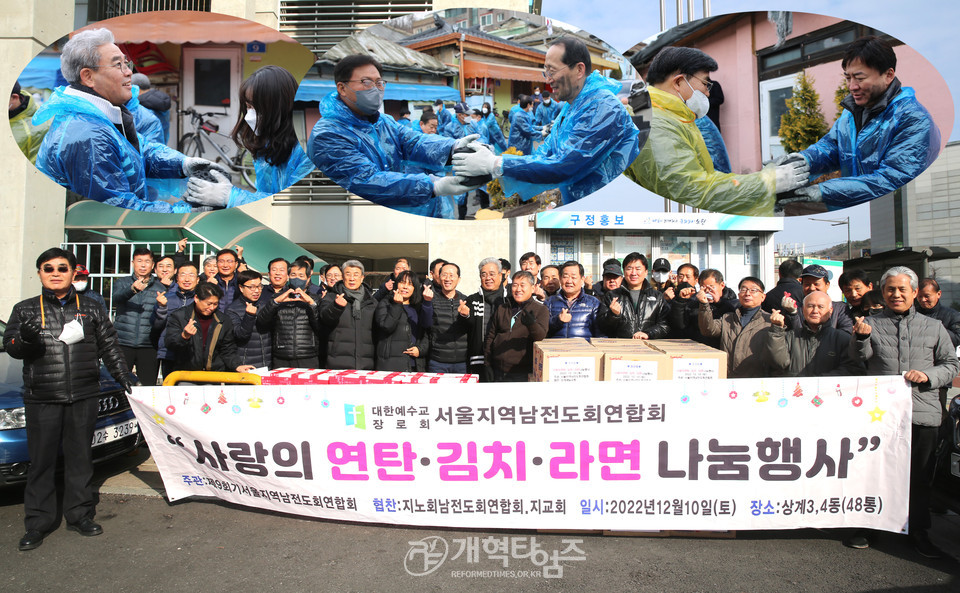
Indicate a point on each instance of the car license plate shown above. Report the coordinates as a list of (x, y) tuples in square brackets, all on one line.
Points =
[(102, 436), (955, 464)]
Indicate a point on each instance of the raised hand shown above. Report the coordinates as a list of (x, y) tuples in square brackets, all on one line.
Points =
[(615, 306)]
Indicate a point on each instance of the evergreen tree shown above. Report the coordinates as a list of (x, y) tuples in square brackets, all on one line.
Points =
[(839, 95), (803, 123)]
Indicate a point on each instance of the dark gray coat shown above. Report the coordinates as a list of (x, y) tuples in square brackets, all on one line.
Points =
[(900, 343), (811, 353)]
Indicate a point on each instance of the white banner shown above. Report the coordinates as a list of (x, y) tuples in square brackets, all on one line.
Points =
[(685, 455)]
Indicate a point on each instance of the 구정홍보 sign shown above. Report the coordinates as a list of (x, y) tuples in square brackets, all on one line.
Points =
[(689, 455)]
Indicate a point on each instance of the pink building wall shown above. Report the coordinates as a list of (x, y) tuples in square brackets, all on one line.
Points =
[(734, 48)]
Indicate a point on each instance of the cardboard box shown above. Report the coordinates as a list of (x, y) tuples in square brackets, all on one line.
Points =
[(649, 360), (557, 361)]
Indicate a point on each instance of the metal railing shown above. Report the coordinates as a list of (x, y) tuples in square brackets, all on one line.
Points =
[(321, 24), (111, 8)]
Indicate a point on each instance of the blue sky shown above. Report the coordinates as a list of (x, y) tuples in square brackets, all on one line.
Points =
[(929, 26)]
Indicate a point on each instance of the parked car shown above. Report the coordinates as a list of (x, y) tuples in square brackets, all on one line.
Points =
[(117, 431)]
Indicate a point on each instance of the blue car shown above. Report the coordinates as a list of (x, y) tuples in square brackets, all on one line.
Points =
[(117, 431)]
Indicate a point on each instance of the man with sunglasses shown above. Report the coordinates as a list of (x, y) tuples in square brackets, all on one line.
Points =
[(92, 147), (675, 161), (368, 154), (61, 336), (588, 144)]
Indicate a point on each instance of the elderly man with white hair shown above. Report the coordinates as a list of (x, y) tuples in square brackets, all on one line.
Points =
[(900, 341), (815, 349), (93, 147)]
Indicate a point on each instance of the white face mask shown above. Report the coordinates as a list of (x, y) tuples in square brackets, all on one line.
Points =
[(661, 276), (72, 333), (251, 119), (698, 103), (80, 286)]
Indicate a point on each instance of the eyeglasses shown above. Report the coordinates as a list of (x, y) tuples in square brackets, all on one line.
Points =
[(253, 288), (750, 290), (707, 83), (119, 64), (48, 269), (369, 83), (550, 72)]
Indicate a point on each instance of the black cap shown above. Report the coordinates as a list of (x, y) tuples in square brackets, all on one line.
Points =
[(461, 107), (660, 265), (816, 271), (613, 268), (438, 102)]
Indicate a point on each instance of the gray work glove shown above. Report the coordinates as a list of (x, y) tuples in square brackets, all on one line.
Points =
[(451, 186), (478, 163), (789, 158), (792, 174), (196, 167), (811, 193), (215, 194), (462, 142)]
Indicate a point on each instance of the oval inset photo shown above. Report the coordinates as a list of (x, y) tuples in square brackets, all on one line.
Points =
[(170, 111), (786, 113), (448, 114)]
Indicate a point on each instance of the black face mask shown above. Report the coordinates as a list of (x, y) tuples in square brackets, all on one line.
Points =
[(296, 283), (872, 312)]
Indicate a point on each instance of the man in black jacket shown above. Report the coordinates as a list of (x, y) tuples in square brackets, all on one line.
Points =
[(291, 317), (448, 336), (60, 336), (685, 309), (928, 303), (788, 285), (200, 337), (254, 347), (636, 309), (481, 306), (347, 312)]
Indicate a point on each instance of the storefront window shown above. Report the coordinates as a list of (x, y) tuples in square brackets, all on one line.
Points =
[(743, 258), (680, 248)]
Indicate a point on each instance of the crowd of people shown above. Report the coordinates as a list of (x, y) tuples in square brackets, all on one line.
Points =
[(172, 314)]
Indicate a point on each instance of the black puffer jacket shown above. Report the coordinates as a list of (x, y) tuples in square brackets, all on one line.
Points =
[(350, 344), (395, 333), (54, 372), (253, 346), (650, 315), (134, 310), (219, 353), (448, 336), (950, 318), (293, 325)]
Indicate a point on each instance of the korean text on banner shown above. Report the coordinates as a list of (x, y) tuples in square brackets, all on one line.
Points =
[(688, 455)]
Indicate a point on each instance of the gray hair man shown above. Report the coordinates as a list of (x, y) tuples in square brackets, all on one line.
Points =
[(481, 306), (93, 147), (900, 341)]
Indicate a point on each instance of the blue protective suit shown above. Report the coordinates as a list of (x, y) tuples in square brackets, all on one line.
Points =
[(890, 150), (715, 144), (407, 123), (493, 134), (147, 123), (369, 158), (522, 132), (592, 141), (445, 116), (272, 179), (457, 130), (84, 152), (547, 113)]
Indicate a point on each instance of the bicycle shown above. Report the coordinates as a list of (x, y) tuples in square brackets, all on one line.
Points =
[(192, 144)]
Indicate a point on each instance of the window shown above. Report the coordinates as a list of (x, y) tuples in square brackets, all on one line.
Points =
[(486, 19), (500, 17), (817, 47)]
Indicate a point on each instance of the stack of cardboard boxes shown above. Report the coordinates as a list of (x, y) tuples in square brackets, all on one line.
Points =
[(614, 359)]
